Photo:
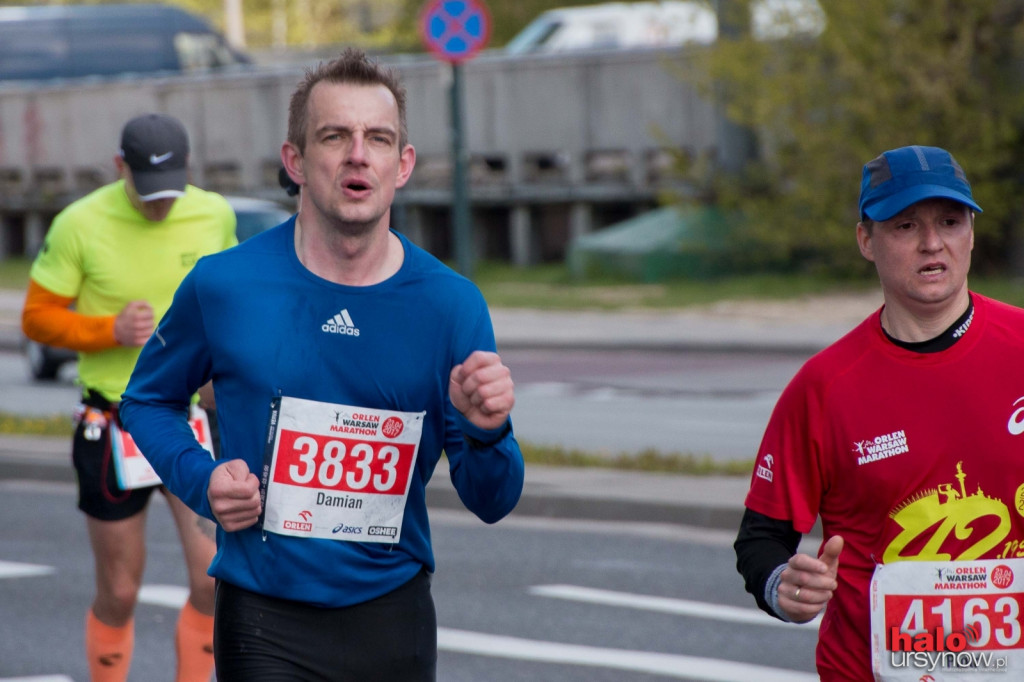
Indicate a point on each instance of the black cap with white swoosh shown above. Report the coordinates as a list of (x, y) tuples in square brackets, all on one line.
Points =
[(155, 147)]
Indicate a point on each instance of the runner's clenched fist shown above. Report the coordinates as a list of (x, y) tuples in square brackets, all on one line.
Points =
[(134, 324), (481, 389), (234, 495)]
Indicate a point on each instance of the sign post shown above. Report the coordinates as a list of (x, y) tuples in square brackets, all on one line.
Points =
[(455, 30)]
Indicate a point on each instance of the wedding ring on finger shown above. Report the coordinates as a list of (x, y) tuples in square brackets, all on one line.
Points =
[(796, 595)]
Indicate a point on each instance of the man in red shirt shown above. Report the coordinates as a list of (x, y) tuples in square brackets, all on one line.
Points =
[(902, 437)]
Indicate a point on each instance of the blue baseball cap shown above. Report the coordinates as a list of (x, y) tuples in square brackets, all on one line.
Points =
[(905, 176)]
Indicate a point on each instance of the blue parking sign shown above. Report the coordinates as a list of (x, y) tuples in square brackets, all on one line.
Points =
[(455, 30)]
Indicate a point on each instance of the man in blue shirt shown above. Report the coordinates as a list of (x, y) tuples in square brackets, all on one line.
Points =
[(344, 360)]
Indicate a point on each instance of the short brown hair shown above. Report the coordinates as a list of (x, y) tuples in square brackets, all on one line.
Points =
[(353, 66)]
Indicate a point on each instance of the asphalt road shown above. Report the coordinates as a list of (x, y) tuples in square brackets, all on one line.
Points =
[(625, 402), (20, 394), (526, 599), (605, 401)]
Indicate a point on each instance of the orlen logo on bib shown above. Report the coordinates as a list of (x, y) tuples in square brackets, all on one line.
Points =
[(303, 525), (392, 427)]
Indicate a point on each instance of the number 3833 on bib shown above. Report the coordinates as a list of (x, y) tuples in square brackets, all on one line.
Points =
[(338, 472)]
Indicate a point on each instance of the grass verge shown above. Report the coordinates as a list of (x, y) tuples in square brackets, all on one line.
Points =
[(647, 460), (54, 425), (550, 287), (14, 273)]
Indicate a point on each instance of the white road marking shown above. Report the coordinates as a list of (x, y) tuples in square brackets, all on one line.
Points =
[(11, 569), (461, 641), (171, 596), (679, 607), (601, 395), (671, 665), (554, 389)]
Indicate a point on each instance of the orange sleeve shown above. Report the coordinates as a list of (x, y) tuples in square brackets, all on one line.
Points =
[(47, 318)]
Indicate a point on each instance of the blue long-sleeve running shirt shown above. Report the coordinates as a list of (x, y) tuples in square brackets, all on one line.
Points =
[(263, 327)]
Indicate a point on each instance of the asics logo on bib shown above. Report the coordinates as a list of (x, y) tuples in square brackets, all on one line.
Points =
[(341, 323), (1016, 424)]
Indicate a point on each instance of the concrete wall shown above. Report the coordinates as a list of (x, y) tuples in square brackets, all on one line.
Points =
[(548, 138)]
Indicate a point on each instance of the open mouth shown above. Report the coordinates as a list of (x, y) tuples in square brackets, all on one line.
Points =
[(932, 270)]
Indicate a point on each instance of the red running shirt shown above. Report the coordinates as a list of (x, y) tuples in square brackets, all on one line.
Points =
[(906, 455)]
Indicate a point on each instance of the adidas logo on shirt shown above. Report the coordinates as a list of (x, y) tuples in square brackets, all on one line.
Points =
[(341, 323)]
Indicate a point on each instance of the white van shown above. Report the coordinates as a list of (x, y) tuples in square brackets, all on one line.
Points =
[(619, 25)]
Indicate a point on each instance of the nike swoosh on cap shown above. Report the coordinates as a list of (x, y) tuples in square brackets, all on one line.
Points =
[(156, 160)]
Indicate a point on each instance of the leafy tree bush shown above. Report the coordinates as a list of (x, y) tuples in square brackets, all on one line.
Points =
[(883, 74)]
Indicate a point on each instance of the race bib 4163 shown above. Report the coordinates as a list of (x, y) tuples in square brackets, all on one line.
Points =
[(961, 620)]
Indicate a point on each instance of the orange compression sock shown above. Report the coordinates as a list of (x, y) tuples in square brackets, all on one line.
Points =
[(194, 643), (108, 649)]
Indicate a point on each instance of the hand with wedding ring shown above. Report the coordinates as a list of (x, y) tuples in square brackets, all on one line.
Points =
[(807, 584)]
